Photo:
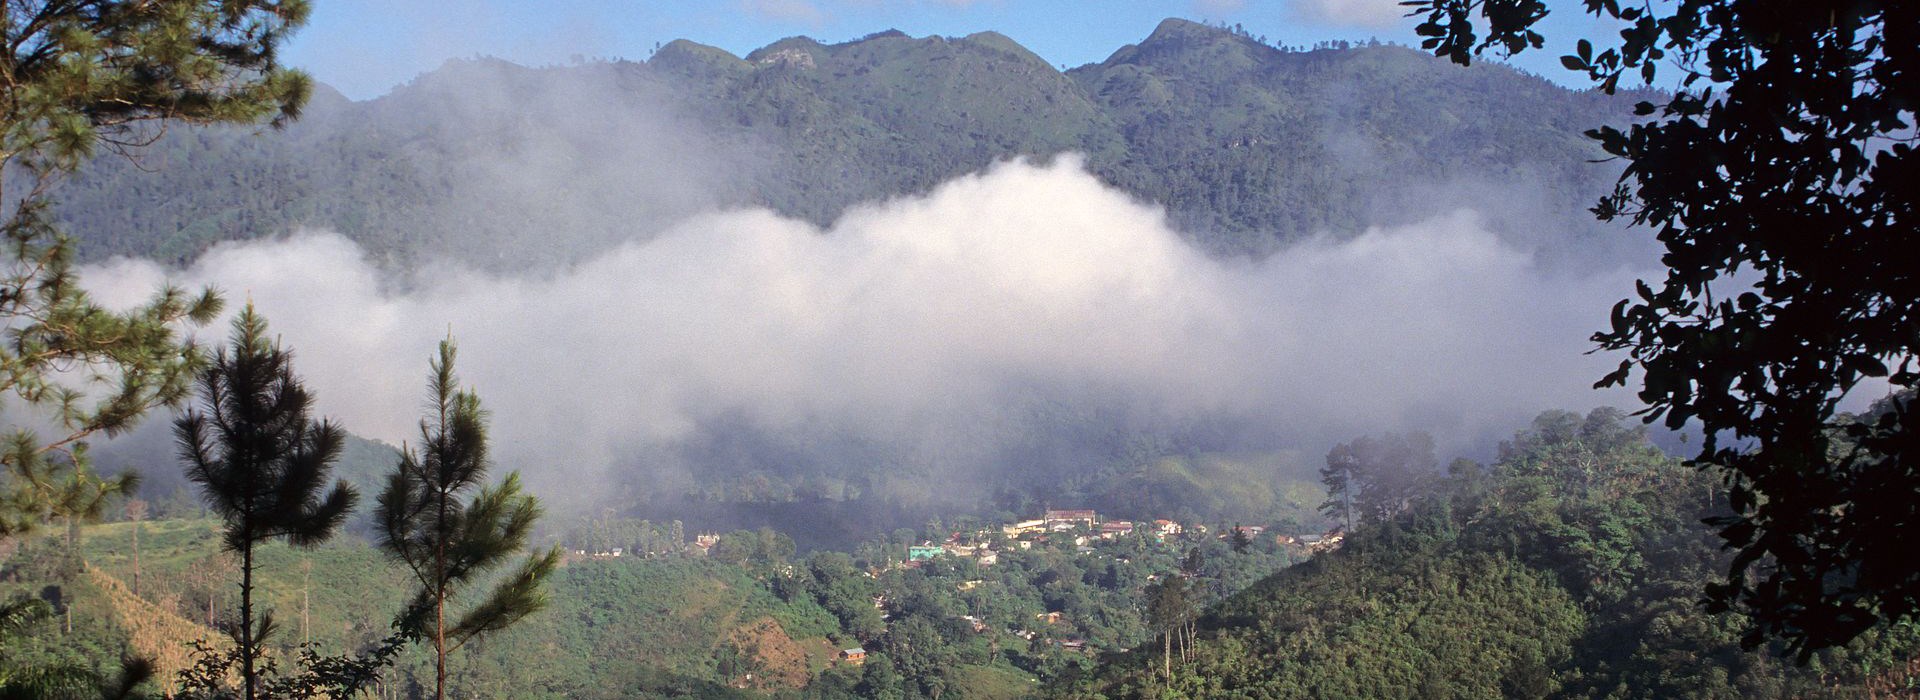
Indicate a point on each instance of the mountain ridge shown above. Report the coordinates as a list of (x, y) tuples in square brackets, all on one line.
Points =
[(1248, 146)]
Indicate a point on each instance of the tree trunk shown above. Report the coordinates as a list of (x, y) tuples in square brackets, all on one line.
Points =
[(1179, 634), (136, 558), (306, 600), (440, 598), (1186, 642), (440, 647), (246, 619), (1166, 655)]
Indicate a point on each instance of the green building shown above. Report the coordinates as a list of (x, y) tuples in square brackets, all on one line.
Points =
[(922, 552)]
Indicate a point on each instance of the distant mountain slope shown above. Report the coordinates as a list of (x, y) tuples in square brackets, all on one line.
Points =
[(1249, 146)]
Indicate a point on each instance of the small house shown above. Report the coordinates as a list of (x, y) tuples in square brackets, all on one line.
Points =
[(923, 552), (1330, 542), (1069, 519), (1024, 527)]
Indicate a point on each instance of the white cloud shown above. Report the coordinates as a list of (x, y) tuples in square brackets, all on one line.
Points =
[(1215, 8), (914, 322), (798, 11), (1374, 14)]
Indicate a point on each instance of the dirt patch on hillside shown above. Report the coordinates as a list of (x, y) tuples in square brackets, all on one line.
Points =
[(153, 632), (774, 659)]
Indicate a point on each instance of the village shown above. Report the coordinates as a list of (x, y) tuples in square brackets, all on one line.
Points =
[(961, 559), (1082, 527), (1066, 583), (1085, 530), (1085, 527)]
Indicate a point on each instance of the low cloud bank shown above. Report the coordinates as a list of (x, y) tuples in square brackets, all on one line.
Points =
[(917, 323)]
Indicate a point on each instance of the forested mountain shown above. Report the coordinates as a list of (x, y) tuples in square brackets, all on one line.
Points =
[(1249, 146)]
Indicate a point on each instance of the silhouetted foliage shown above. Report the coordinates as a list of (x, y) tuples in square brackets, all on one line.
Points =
[(318, 678), (1779, 176), (1370, 479)]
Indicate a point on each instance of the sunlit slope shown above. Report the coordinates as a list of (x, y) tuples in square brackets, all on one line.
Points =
[(616, 628)]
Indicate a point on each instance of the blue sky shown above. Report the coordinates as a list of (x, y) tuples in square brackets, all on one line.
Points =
[(366, 47)]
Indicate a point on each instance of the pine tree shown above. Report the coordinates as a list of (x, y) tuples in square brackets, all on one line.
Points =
[(80, 75), (261, 463), (1339, 478), (449, 540)]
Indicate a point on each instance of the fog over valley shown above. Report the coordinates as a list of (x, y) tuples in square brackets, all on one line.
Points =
[(929, 329)]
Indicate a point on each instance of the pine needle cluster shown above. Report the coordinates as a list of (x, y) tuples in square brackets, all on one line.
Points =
[(262, 463)]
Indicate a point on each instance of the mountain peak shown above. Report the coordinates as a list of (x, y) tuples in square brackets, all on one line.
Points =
[(1002, 42), (1180, 40), (1174, 28), (802, 50), (882, 34), (685, 56)]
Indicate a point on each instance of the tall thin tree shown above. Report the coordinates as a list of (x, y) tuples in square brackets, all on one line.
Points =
[(448, 540), (1169, 606), (136, 512), (261, 462)]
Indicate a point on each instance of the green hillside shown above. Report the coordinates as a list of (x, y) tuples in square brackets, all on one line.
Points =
[(1569, 568), (617, 626), (751, 620)]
